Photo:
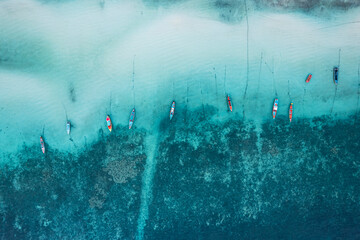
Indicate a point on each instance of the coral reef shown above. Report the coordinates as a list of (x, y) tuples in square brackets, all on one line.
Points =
[(122, 170), (234, 191), (214, 180), (65, 196)]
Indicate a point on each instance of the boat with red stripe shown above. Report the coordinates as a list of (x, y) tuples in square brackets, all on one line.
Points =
[(229, 103), (275, 108), (108, 122)]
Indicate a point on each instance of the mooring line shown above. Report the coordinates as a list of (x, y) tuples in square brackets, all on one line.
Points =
[(216, 92), (133, 80), (332, 106), (358, 95), (225, 81), (202, 98), (247, 52)]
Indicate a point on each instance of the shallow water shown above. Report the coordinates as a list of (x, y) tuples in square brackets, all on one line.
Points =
[(209, 173)]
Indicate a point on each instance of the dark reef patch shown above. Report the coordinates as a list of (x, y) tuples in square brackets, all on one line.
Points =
[(230, 10), (234, 10), (305, 5), (61, 196), (291, 4), (228, 180), (221, 181), (158, 3)]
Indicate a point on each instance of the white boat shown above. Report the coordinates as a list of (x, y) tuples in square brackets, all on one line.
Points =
[(42, 143), (68, 127), (132, 118)]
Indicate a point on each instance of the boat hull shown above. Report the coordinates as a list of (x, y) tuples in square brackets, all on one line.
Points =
[(229, 103), (42, 143), (308, 78), (336, 75), (68, 127), (275, 108), (290, 111), (172, 110), (132, 118), (109, 123)]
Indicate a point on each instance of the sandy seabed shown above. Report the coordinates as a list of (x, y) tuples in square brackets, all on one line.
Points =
[(209, 173)]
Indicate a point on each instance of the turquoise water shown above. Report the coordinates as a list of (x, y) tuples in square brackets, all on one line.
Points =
[(207, 174)]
